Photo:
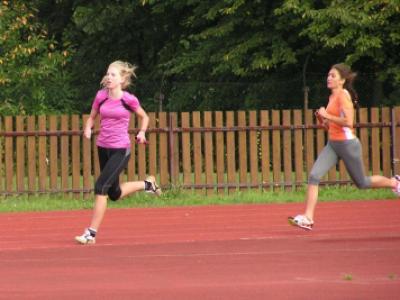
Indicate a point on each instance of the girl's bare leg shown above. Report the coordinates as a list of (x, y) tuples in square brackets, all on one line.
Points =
[(100, 204), (131, 187), (99, 210), (378, 181), (311, 201)]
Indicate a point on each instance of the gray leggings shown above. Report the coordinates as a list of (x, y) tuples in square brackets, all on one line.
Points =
[(350, 152)]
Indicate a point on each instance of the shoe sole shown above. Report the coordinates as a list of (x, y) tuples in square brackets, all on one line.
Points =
[(292, 222), (396, 190), (156, 193), (81, 241)]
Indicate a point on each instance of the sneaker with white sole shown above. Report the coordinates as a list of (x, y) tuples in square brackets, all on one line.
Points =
[(396, 190), (85, 238), (151, 186), (301, 221)]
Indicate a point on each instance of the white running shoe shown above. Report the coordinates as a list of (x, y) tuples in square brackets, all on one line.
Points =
[(301, 221), (154, 188), (85, 238), (396, 190)]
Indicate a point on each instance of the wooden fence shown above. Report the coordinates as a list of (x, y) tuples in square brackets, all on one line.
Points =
[(208, 152)]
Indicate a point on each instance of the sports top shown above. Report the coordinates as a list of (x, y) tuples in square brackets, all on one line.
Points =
[(335, 107), (115, 119)]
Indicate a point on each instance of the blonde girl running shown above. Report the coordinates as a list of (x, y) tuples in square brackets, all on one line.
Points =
[(114, 105)]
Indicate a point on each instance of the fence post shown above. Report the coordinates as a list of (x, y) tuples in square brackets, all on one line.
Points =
[(171, 156), (1, 157), (395, 157), (163, 149)]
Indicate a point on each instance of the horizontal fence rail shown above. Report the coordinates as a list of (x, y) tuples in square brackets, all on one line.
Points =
[(188, 129), (207, 152)]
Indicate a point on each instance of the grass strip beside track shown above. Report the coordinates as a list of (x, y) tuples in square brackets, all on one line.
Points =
[(178, 197)]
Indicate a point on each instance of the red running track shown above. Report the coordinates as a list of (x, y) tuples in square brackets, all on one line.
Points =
[(212, 252)]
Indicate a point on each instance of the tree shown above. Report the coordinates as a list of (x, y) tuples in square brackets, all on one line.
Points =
[(226, 50), (32, 76), (101, 32), (199, 54), (365, 34), (238, 40)]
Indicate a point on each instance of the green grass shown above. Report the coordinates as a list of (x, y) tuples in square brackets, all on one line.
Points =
[(179, 197), (348, 277)]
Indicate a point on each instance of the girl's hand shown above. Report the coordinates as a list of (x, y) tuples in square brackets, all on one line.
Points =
[(324, 122), (319, 118), (141, 137), (87, 132), (322, 112)]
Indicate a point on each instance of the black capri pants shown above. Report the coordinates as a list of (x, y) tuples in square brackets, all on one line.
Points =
[(112, 162)]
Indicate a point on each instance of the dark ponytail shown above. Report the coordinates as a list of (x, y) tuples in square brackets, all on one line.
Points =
[(348, 75)]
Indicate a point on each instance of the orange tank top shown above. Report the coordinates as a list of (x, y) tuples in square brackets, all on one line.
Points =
[(335, 107)]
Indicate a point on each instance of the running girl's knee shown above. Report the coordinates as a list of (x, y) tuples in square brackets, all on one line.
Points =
[(99, 188), (314, 178), (364, 183), (114, 194)]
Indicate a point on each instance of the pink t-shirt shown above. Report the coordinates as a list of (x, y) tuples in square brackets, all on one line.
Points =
[(114, 119)]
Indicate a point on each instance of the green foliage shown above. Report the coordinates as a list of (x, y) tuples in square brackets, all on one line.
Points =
[(105, 31), (348, 277), (361, 30), (32, 73), (195, 54), (253, 41), (226, 39)]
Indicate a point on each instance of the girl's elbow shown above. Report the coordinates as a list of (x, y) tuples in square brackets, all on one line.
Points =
[(144, 118)]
